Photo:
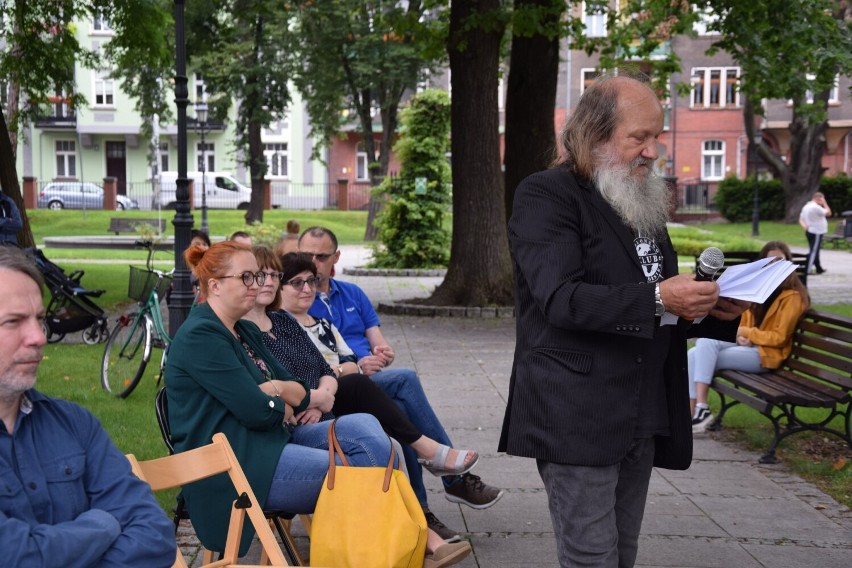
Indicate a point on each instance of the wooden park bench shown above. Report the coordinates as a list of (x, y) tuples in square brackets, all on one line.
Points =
[(128, 224), (817, 376), (733, 258), (840, 237)]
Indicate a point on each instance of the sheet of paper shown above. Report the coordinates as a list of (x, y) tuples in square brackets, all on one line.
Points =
[(755, 281), (751, 282)]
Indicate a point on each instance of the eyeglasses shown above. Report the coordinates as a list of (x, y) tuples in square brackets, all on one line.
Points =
[(321, 256), (249, 277), (274, 275), (299, 283)]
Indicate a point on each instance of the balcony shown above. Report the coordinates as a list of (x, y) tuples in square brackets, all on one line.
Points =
[(57, 115)]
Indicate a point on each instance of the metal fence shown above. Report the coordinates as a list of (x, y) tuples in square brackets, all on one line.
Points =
[(694, 197), (152, 195)]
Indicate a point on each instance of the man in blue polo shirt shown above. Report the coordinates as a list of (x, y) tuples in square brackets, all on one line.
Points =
[(349, 308)]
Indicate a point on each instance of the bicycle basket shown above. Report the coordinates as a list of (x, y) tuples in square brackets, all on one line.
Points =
[(142, 281)]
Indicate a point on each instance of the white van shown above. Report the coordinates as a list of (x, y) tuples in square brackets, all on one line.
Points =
[(223, 191)]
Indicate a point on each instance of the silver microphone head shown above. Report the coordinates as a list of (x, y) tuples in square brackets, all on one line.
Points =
[(710, 261)]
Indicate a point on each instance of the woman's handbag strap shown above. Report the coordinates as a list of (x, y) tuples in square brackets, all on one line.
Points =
[(334, 446)]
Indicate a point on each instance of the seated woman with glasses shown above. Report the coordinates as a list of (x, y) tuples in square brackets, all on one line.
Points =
[(221, 378), (353, 392)]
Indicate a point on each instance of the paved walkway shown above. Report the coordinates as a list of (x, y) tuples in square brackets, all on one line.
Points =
[(725, 511)]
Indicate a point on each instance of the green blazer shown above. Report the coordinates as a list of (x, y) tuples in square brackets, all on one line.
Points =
[(213, 387)]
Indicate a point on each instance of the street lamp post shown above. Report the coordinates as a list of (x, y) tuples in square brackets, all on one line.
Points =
[(201, 117), (182, 296), (755, 207)]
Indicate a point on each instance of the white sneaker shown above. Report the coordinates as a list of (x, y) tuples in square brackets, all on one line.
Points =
[(703, 417)]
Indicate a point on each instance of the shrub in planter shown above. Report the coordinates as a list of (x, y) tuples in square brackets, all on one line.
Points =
[(411, 225)]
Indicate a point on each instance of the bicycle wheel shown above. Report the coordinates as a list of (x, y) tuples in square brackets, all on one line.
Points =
[(125, 355)]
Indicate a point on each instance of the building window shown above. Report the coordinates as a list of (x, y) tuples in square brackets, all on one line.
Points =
[(200, 89), (588, 76), (834, 94), (276, 159), (715, 87), (164, 156), (713, 160), (362, 173), (66, 158), (207, 150), (100, 23), (104, 90), (594, 18)]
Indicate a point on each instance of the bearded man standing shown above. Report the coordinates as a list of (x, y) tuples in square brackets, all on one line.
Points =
[(598, 393)]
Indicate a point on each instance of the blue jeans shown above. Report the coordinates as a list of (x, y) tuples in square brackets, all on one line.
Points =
[(403, 386), (597, 510), (708, 355), (303, 463)]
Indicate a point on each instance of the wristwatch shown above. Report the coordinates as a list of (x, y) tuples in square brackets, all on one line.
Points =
[(659, 307)]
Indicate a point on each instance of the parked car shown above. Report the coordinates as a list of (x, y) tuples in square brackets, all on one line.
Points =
[(223, 191), (79, 195)]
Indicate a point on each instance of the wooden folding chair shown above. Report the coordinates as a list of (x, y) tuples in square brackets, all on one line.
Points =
[(280, 520), (207, 461)]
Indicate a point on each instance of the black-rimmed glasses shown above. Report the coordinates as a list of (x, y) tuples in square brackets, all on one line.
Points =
[(249, 277), (299, 283), (274, 275)]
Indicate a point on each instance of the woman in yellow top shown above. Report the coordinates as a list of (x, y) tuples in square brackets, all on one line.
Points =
[(764, 339)]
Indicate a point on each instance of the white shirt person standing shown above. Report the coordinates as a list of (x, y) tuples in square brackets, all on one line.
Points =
[(814, 220)]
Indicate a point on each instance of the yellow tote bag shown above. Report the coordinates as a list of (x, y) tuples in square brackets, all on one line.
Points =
[(366, 517)]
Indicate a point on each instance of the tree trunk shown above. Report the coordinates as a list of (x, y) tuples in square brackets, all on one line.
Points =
[(801, 174), (257, 167), (9, 182), (531, 98), (807, 147), (257, 161), (480, 272), (389, 121)]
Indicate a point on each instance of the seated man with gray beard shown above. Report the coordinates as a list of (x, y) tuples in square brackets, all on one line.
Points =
[(598, 392)]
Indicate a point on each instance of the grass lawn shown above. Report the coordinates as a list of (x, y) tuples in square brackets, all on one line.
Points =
[(72, 372), (347, 225)]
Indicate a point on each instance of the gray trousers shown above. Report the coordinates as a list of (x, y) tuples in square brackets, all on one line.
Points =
[(597, 511)]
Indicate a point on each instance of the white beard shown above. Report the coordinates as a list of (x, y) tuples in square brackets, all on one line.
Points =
[(641, 201)]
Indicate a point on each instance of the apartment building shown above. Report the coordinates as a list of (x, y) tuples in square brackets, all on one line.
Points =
[(103, 139), (704, 139)]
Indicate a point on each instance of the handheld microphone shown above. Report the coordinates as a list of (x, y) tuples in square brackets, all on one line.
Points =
[(710, 261)]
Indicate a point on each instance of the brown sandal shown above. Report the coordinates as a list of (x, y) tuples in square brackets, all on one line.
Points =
[(447, 554)]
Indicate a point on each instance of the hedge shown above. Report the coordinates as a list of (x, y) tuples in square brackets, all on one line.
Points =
[(734, 198)]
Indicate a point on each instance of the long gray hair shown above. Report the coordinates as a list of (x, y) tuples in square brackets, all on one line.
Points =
[(592, 123)]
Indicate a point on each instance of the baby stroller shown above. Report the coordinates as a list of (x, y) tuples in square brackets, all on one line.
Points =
[(71, 307)]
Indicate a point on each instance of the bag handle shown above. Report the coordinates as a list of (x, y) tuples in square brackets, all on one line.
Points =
[(334, 447)]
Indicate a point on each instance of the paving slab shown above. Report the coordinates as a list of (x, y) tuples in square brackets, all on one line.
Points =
[(725, 511)]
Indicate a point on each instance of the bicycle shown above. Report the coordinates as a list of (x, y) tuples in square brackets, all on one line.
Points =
[(136, 332)]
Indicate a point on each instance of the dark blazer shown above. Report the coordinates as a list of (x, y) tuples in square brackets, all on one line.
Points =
[(213, 387), (586, 331)]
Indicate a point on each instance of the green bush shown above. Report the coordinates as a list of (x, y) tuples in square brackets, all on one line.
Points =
[(411, 228), (838, 193), (734, 198)]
